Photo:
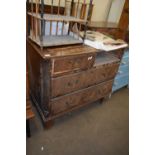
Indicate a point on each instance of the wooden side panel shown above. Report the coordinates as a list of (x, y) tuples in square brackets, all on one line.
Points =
[(83, 96), (61, 66), (27, 86), (33, 59), (39, 77), (72, 82), (45, 86)]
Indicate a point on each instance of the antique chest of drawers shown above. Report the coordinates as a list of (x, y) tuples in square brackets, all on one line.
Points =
[(66, 78)]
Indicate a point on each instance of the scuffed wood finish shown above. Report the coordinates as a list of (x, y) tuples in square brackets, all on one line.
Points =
[(62, 51), (69, 83), (39, 76), (66, 78), (65, 51), (34, 60), (45, 86), (27, 86), (118, 53), (83, 96), (61, 66)]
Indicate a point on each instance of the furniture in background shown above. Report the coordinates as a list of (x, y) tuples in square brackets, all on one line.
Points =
[(121, 31), (118, 31), (29, 113), (57, 27), (122, 77), (29, 116), (108, 28)]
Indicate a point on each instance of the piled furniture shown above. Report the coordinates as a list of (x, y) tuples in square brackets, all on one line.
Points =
[(29, 113), (66, 74), (122, 77), (59, 27)]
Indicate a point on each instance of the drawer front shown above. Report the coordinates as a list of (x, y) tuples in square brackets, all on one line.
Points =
[(61, 66), (81, 97), (120, 82), (72, 82)]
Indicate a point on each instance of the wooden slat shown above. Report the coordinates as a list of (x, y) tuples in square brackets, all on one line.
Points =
[(59, 7), (49, 17), (77, 9)]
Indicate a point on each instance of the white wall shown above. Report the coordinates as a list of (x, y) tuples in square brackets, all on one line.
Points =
[(100, 10), (116, 10)]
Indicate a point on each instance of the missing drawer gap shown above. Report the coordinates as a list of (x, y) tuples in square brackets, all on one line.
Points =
[(103, 58)]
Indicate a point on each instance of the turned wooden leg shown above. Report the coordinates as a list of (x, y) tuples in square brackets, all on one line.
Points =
[(48, 124), (101, 100)]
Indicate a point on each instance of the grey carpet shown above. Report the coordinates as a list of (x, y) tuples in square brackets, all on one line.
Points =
[(98, 129)]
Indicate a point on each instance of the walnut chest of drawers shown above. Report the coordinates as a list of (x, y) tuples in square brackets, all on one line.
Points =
[(63, 79)]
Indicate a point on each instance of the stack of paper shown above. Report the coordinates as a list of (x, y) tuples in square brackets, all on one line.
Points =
[(102, 42)]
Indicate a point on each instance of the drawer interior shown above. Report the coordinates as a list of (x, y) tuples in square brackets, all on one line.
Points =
[(104, 58)]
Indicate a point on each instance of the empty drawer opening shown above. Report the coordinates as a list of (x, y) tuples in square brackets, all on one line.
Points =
[(103, 58)]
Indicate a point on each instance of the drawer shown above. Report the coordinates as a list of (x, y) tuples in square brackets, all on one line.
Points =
[(122, 70), (81, 97), (72, 82), (61, 66), (120, 82)]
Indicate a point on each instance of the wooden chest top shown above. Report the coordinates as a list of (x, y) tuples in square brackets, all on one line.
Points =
[(62, 51)]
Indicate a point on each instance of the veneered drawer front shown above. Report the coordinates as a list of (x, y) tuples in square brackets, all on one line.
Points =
[(61, 66), (73, 82), (83, 96)]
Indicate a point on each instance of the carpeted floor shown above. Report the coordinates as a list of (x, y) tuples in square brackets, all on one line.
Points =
[(98, 129)]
